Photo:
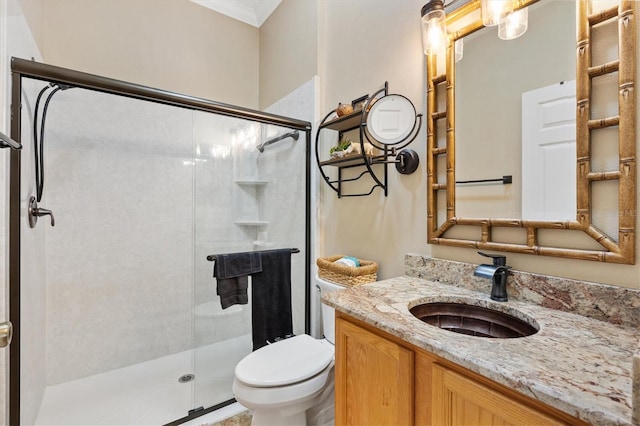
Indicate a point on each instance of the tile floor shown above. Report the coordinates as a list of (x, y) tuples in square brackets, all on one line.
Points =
[(242, 419), (231, 415)]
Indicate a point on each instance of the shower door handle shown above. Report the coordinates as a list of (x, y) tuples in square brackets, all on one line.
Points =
[(6, 333)]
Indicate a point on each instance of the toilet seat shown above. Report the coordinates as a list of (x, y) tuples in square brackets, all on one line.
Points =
[(276, 397), (284, 363)]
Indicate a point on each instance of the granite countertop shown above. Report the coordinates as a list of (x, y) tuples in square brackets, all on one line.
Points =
[(577, 364)]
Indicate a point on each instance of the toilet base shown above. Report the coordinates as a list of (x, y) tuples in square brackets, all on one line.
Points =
[(316, 409), (262, 417), (320, 412)]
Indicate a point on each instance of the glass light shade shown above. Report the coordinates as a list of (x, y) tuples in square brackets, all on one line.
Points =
[(434, 30), (514, 24), (494, 11), (459, 49)]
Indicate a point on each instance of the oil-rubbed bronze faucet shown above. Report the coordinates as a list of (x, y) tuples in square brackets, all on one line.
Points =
[(497, 273)]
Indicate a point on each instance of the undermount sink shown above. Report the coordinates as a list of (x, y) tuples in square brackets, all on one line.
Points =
[(474, 320)]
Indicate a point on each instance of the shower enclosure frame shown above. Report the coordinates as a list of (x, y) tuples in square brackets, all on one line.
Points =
[(21, 68)]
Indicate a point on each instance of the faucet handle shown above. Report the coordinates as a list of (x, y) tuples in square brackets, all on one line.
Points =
[(498, 259), (34, 212)]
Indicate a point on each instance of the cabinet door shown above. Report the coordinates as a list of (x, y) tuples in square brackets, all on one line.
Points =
[(374, 378), (461, 401)]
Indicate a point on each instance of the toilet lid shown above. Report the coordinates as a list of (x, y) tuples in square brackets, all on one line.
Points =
[(285, 362)]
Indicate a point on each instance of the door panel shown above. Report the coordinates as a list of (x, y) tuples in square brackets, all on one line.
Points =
[(461, 401), (549, 152)]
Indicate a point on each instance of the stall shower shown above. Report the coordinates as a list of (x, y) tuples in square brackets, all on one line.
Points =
[(119, 318)]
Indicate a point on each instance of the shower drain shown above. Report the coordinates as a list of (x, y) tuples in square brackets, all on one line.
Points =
[(186, 378)]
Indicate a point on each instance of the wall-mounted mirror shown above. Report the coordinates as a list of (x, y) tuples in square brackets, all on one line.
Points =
[(509, 108), (491, 79)]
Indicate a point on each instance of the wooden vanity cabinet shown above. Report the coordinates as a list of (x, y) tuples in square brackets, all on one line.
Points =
[(382, 380), (374, 378)]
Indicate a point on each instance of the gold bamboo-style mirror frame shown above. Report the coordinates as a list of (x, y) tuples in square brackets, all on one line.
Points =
[(620, 251)]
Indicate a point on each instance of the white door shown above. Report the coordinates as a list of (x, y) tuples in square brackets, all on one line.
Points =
[(549, 152)]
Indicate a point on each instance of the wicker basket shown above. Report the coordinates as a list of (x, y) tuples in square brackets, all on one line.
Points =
[(367, 272)]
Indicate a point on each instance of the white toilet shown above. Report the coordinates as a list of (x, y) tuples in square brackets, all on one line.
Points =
[(291, 380)]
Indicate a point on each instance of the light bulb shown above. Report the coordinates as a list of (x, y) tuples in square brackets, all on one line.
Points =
[(494, 11)]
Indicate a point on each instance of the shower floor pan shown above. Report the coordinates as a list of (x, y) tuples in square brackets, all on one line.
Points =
[(147, 393)]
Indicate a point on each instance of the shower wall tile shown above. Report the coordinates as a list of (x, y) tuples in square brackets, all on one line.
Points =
[(283, 203), (119, 260), (125, 252)]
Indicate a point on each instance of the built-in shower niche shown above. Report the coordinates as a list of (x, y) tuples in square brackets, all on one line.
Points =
[(266, 152), (257, 229)]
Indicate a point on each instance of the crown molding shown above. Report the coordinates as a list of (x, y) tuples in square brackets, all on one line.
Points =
[(252, 12)]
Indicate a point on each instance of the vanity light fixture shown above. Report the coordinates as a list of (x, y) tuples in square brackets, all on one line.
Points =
[(514, 24), (511, 23), (434, 30)]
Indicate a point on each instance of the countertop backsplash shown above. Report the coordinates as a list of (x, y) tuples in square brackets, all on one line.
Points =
[(635, 393), (616, 305)]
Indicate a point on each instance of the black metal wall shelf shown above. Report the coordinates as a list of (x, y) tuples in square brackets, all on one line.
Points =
[(354, 160), (344, 123), (406, 160)]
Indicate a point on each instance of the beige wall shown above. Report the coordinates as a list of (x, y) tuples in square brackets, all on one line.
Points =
[(360, 44), (175, 45), (367, 43), (288, 49), (33, 11)]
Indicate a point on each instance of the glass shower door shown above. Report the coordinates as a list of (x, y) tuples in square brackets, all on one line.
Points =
[(246, 200), (108, 332), (221, 336)]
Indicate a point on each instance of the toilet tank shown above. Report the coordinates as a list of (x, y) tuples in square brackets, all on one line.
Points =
[(328, 313)]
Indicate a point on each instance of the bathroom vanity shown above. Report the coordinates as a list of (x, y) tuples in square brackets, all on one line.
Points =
[(409, 385), (391, 368)]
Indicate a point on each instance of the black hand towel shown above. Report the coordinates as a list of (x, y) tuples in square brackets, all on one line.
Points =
[(271, 298), (231, 272)]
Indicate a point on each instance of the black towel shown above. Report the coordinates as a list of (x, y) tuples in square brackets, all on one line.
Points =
[(271, 315), (231, 272)]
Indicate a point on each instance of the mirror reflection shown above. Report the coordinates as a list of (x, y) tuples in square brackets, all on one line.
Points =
[(515, 115)]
